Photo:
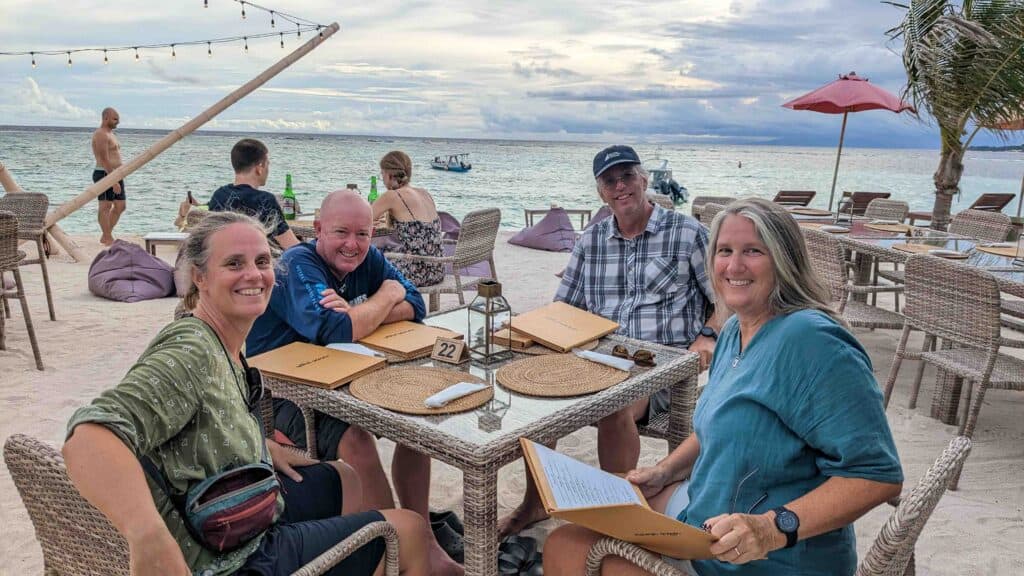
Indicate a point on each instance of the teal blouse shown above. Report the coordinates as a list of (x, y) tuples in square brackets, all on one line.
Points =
[(799, 405)]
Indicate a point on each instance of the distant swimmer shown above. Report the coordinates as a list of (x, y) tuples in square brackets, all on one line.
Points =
[(739, 164), (107, 151)]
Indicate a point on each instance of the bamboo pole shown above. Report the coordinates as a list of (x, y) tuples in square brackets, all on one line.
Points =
[(58, 235), (167, 141)]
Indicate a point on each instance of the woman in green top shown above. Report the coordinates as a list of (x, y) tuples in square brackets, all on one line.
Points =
[(184, 406), (790, 441)]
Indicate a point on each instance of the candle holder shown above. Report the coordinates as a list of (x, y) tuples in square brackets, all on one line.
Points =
[(488, 312)]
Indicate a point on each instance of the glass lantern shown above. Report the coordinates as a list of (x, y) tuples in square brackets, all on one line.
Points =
[(1018, 259), (488, 313)]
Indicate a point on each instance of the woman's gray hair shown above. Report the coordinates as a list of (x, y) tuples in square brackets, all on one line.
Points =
[(797, 287), (195, 252)]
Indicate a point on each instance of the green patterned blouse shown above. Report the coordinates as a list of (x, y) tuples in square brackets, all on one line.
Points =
[(183, 405)]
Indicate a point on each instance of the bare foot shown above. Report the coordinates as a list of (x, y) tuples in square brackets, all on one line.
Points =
[(441, 564), (524, 516), (106, 240)]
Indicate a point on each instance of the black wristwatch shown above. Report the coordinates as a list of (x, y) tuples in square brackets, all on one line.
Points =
[(709, 332), (788, 523)]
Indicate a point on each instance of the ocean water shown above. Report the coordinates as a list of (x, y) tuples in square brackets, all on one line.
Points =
[(511, 175)]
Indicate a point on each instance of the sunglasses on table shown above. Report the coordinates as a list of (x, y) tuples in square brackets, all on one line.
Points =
[(642, 357)]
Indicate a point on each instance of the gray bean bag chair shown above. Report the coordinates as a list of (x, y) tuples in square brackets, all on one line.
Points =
[(127, 273), (554, 233)]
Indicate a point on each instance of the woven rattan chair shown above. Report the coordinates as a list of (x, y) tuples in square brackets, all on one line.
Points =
[(707, 215), (961, 306), (661, 200), (891, 554), (475, 244), (794, 197), (858, 201), (698, 202), (76, 538), (30, 210), (884, 209), (10, 260), (829, 264)]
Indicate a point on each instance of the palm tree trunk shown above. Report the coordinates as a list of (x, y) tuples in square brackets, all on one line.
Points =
[(947, 182)]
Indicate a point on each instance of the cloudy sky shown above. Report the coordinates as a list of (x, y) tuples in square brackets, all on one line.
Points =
[(712, 71)]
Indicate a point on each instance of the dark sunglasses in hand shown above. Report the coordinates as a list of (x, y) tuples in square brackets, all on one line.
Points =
[(642, 357)]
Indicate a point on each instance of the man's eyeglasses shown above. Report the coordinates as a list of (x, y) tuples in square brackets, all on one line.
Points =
[(609, 181), (642, 357)]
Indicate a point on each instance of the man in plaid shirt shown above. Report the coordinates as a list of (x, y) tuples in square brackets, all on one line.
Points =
[(645, 269)]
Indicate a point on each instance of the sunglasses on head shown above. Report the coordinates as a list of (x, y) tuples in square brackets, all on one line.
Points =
[(642, 357)]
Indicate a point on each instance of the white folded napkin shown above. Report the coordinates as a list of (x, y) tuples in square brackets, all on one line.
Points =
[(943, 252), (623, 364), (355, 349), (453, 392), (831, 228), (884, 221)]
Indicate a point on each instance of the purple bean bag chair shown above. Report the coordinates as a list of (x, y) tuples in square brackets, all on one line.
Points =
[(554, 233), (450, 227), (127, 273), (603, 212)]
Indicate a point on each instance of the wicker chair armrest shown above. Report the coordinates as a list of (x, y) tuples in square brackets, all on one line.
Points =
[(1011, 343), (417, 257), (861, 289), (324, 562), (629, 552)]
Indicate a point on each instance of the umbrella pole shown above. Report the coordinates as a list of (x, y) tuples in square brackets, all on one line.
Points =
[(1020, 197), (835, 172)]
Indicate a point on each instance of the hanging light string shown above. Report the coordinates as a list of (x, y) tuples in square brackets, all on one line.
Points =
[(301, 25)]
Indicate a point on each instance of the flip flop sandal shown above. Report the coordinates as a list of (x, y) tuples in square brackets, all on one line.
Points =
[(518, 555), (448, 517), (450, 541)]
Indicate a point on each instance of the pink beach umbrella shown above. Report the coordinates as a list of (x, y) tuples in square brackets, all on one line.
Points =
[(850, 93)]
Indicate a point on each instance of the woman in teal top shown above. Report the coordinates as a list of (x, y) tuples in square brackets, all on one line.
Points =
[(790, 441)]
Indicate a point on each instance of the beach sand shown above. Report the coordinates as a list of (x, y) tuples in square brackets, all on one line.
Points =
[(977, 530)]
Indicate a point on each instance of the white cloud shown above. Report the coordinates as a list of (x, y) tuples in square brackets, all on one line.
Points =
[(31, 101)]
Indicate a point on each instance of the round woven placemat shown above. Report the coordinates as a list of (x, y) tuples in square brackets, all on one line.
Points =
[(558, 375), (810, 211), (540, 350), (819, 225), (901, 228), (403, 389), (927, 248), (1008, 251)]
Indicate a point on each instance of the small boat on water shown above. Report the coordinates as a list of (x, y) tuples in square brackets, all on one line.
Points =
[(454, 163), (661, 181)]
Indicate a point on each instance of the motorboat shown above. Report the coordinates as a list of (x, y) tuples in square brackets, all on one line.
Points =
[(454, 163), (661, 181)]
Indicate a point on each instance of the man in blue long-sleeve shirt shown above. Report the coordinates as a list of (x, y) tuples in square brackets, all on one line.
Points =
[(340, 289)]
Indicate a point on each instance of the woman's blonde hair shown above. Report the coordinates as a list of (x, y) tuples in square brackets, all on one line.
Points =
[(195, 252), (398, 165), (797, 287)]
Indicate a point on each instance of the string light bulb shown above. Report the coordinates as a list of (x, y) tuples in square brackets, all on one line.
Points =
[(136, 53), (209, 51), (320, 30), (282, 40), (174, 55), (33, 54), (271, 18), (243, 10), (105, 60), (245, 39), (69, 59), (206, 3), (298, 30)]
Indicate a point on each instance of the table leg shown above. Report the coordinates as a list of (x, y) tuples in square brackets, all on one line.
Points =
[(480, 491), (946, 399), (862, 274), (680, 417)]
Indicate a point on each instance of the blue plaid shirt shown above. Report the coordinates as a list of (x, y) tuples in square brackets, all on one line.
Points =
[(655, 285)]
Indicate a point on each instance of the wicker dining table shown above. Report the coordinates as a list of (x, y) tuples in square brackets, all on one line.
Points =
[(481, 441)]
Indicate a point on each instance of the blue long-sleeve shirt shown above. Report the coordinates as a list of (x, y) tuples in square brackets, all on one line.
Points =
[(294, 313)]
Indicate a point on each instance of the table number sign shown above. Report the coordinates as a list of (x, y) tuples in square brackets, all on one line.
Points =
[(450, 350)]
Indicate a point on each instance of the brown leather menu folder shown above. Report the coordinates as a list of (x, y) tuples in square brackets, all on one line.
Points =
[(507, 337), (562, 327), (406, 339), (608, 504), (315, 365)]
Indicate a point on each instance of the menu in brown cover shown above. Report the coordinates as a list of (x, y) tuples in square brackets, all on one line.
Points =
[(406, 339), (315, 365), (562, 327), (507, 337), (609, 505)]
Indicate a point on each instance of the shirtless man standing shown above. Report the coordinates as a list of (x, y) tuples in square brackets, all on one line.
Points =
[(107, 150)]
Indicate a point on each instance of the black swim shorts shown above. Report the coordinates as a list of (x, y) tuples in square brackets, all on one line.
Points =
[(329, 430), (108, 195)]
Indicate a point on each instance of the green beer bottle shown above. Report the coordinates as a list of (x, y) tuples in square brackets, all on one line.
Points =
[(373, 190), (288, 202)]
